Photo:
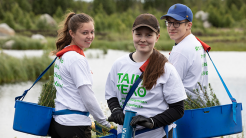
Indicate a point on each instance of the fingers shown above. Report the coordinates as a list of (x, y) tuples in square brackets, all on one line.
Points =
[(118, 118), (146, 124), (110, 119), (134, 121)]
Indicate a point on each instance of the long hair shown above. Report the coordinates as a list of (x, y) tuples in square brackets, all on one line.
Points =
[(154, 69), (71, 22)]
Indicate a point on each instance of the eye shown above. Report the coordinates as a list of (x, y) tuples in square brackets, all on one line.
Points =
[(85, 33), (92, 32), (176, 23)]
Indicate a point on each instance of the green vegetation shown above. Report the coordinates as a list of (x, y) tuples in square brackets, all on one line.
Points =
[(202, 101), (114, 19), (17, 70), (48, 94)]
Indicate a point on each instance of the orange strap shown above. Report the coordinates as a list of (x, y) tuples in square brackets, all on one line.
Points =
[(70, 48), (143, 67), (204, 45)]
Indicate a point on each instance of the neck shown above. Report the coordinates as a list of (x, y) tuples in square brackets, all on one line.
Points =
[(73, 43), (186, 34), (140, 56)]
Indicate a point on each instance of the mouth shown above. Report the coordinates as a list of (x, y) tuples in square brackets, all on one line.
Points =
[(89, 42), (172, 32), (142, 45)]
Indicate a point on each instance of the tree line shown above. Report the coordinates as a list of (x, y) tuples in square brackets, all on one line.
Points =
[(116, 15)]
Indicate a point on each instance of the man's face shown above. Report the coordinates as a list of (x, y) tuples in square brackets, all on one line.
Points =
[(178, 33)]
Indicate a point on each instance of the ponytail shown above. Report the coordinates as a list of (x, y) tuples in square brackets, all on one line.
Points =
[(154, 69), (72, 22)]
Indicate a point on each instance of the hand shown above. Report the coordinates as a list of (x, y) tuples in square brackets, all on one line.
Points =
[(117, 116), (142, 121)]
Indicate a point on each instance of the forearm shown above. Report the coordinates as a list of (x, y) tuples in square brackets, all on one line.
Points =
[(92, 105), (113, 103), (172, 114)]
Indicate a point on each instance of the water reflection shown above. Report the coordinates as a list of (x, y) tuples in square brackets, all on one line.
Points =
[(231, 66)]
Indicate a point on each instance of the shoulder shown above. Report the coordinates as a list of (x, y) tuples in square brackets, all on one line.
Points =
[(191, 40), (122, 60), (187, 47), (169, 68), (72, 56)]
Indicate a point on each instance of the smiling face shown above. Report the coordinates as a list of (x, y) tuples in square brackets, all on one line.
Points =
[(83, 36), (178, 34), (144, 39)]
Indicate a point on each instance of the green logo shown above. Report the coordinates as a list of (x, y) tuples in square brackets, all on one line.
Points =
[(125, 83)]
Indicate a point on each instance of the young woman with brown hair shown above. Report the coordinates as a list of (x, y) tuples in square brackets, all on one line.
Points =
[(158, 100), (73, 80)]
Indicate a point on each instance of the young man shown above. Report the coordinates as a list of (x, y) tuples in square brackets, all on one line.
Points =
[(188, 55)]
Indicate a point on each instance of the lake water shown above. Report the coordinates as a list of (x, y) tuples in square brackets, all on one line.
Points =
[(231, 66)]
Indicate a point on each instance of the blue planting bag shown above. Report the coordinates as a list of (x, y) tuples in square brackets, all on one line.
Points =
[(209, 122), (32, 118)]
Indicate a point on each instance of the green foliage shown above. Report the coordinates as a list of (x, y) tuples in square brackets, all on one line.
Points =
[(108, 6), (28, 22), (59, 13), (1, 13), (202, 101), (48, 94), (23, 43), (25, 5), (49, 6), (42, 25), (17, 13), (9, 19)]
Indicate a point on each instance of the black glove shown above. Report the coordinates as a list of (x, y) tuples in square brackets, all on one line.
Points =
[(142, 121), (117, 116)]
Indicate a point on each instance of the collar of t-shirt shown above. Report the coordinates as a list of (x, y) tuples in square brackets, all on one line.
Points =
[(70, 48), (130, 55)]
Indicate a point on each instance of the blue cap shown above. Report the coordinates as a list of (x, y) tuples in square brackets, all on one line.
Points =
[(179, 12)]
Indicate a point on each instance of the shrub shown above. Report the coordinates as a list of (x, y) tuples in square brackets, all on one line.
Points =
[(9, 19), (202, 101)]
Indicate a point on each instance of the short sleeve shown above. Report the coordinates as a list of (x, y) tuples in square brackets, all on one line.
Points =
[(110, 87), (173, 89), (80, 72)]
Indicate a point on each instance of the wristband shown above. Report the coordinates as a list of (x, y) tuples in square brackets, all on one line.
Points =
[(115, 109), (152, 121)]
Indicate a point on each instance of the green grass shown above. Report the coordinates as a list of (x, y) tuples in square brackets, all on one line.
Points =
[(16, 70), (219, 40)]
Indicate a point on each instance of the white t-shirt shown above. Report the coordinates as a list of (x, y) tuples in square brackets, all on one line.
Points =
[(168, 89), (189, 59), (71, 71)]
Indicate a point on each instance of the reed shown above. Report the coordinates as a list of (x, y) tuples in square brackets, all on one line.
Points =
[(28, 68)]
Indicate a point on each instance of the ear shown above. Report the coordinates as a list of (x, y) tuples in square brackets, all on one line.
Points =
[(157, 37), (189, 25), (71, 33)]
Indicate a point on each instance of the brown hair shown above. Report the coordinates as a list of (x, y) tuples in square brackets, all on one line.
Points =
[(71, 22), (154, 69)]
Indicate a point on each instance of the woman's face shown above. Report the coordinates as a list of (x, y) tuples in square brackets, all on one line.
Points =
[(83, 36), (144, 39)]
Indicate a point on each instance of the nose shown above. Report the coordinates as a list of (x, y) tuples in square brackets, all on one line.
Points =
[(90, 35), (142, 39)]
